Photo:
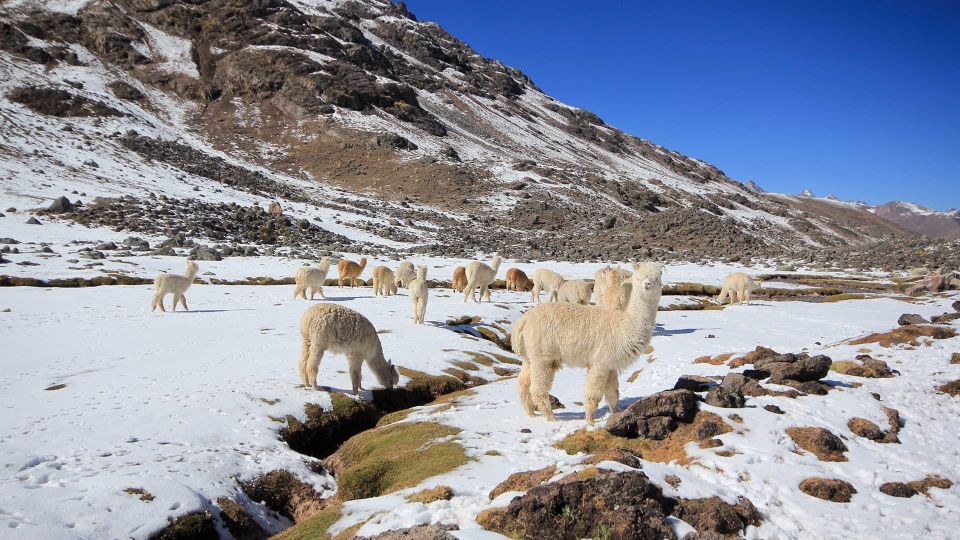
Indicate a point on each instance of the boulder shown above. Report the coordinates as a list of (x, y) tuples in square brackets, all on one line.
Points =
[(819, 441), (61, 205), (275, 209), (694, 383), (897, 489), (715, 518), (911, 318), (865, 428), (655, 416), (610, 505), (803, 369)]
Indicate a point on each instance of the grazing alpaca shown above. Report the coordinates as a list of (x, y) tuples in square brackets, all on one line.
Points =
[(738, 287), (618, 292), (459, 279), (340, 330), (418, 295), (351, 270), (405, 274), (174, 284), (480, 275), (546, 280), (603, 340), (517, 280), (575, 291), (383, 281), (312, 278)]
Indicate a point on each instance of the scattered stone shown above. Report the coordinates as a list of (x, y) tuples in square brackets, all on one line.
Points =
[(820, 442), (911, 318), (619, 455), (92, 254), (526, 430), (275, 209), (205, 253), (609, 222), (869, 367), (945, 318), (931, 481), (828, 489), (955, 358), (655, 416), (673, 480), (108, 246), (33, 221), (774, 409), (955, 305), (865, 428)]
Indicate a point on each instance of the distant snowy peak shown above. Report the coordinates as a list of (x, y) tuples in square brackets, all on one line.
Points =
[(753, 186), (807, 193), (921, 219)]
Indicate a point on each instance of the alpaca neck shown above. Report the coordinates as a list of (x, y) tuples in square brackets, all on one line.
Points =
[(363, 263), (191, 273), (379, 366), (495, 265)]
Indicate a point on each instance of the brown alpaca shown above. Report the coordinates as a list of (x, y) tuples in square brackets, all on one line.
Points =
[(517, 280), (351, 270), (459, 279)]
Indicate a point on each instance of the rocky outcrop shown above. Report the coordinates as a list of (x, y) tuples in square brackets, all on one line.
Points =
[(828, 489), (655, 416)]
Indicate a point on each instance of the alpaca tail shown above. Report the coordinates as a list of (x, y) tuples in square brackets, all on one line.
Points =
[(517, 339)]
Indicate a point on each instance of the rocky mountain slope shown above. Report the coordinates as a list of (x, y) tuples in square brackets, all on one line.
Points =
[(921, 219), (371, 128)]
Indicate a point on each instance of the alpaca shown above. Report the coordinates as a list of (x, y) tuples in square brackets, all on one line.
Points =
[(480, 275), (350, 270), (419, 294), (313, 278), (517, 280), (600, 280), (384, 282), (340, 330), (545, 280), (459, 279), (603, 340), (618, 292), (738, 286), (405, 274), (174, 284), (575, 291)]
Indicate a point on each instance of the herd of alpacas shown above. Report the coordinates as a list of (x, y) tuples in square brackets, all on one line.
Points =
[(604, 337)]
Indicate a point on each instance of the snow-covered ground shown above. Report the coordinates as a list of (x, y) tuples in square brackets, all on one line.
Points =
[(182, 404)]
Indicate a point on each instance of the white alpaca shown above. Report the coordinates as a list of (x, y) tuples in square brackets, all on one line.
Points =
[(480, 275), (313, 278), (738, 287), (575, 291), (384, 282), (617, 295), (601, 279), (419, 294), (603, 340), (545, 280), (405, 274), (174, 284), (341, 330)]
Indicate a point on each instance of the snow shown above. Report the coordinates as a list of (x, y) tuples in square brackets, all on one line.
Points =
[(180, 404)]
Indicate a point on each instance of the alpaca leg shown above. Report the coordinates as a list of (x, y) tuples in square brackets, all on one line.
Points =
[(320, 290), (161, 296), (746, 295), (596, 385), (535, 294), (176, 300), (313, 291), (156, 301), (296, 291), (313, 364), (304, 356), (183, 302), (611, 393), (724, 293), (355, 362), (484, 293), (376, 287), (523, 382), (541, 380)]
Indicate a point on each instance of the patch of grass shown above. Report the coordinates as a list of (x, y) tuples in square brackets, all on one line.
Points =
[(395, 457), (315, 527), (665, 451), (427, 496), (469, 366), (143, 494), (717, 360), (492, 453), (270, 401), (633, 376), (56, 387), (481, 358), (842, 297), (906, 335)]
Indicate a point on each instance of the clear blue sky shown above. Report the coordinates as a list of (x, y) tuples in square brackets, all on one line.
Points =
[(859, 99)]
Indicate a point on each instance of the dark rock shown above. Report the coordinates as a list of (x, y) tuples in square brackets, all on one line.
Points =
[(819, 441), (33, 221), (828, 489), (865, 428), (773, 408), (205, 253), (955, 305), (61, 205), (92, 254), (654, 416), (911, 318), (109, 246), (609, 222), (945, 318), (709, 430), (694, 383), (626, 504), (526, 430), (897, 489), (805, 369), (725, 397), (715, 518)]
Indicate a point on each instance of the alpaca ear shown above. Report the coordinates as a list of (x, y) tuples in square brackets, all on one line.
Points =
[(636, 267)]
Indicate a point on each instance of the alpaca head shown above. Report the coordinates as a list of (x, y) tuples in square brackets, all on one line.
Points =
[(324, 263), (192, 268), (757, 284), (390, 377), (363, 262), (646, 280), (495, 263), (422, 273)]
